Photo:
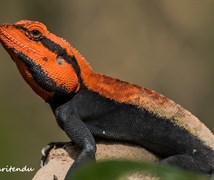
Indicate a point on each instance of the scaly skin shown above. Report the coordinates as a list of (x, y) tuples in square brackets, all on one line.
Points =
[(87, 104)]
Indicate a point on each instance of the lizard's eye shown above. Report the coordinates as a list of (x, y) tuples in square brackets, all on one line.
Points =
[(35, 34)]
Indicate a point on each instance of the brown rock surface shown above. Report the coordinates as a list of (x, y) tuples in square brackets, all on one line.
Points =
[(60, 160)]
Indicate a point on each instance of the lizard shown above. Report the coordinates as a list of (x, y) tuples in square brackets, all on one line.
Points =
[(87, 104)]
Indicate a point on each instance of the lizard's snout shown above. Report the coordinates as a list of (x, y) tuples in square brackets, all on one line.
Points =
[(4, 27), (4, 31)]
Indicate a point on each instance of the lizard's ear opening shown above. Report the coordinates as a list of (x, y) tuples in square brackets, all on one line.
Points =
[(59, 60)]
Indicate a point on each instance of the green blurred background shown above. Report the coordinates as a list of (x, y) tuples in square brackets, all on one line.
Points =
[(163, 45)]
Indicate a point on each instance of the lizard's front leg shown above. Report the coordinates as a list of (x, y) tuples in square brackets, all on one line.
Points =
[(78, 132)]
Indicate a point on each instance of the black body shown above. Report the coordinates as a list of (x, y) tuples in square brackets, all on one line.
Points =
[(87, 114)]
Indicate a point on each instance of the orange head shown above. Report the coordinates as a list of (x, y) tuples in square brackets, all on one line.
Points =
[(45, 61)]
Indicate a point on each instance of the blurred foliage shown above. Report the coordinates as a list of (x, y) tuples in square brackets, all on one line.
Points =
[(161, 44), (114, 170)]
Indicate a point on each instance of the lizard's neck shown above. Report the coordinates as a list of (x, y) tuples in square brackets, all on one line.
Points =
[(83, 68), (106, 86)]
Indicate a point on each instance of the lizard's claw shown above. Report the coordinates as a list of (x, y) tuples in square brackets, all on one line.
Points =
[(46, 149), (55, 177)]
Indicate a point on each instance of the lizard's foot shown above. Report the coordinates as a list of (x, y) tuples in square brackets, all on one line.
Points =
[(46, 149), (55, 177)]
